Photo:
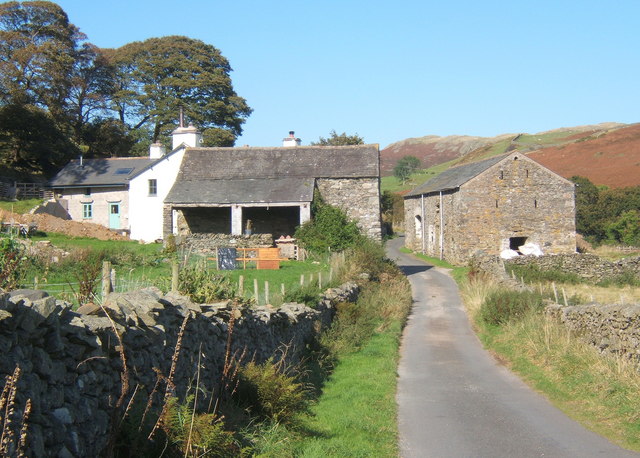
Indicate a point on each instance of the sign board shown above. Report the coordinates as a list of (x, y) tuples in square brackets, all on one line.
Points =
[(227, 258)]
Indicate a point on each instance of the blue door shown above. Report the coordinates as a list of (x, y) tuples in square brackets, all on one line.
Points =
[(114, 216)]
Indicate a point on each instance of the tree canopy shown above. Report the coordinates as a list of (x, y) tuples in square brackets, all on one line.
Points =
[(405, 167), (339, 140), (607, 215), (103, 102), (158, 76)]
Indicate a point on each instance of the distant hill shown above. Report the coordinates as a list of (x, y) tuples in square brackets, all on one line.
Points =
[(607, 153)]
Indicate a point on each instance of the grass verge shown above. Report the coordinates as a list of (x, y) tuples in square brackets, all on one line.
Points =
[(601, 392)]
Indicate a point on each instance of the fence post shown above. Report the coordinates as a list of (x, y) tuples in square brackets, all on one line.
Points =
[(266, 292), (301, 279), (320, 280), (331, 275), (175, 275), (555, 291), (241, 286), (106, 279), (282, 290), (113, 279), (255, 291)]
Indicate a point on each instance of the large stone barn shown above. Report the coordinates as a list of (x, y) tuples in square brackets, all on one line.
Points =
[(493, 205), (223, 195)]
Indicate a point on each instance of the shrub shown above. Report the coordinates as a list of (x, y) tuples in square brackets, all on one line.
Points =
[(196, 434), (307, 294), (329, 230), (532, 273), (502, 306), (270, 392), (203, 287), (13, 263)]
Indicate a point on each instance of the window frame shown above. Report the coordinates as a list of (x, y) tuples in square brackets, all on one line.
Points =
[(152, 188), (87, 210)]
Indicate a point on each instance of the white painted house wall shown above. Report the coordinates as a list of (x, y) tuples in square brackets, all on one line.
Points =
[(145, 211)]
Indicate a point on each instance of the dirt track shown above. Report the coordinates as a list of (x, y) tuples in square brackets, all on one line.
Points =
[(48, 223)]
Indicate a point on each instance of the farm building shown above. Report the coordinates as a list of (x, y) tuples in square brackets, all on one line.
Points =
[(493, 205)]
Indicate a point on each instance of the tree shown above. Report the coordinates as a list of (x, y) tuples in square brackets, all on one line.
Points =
[(625, 229), (156, 77), (38, 51), (405, 167), (339, 140)]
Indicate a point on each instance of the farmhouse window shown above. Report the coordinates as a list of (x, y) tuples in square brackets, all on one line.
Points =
[(153, 187), (87, 211)]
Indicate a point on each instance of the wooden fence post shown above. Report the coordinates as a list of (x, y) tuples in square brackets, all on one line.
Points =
[(106, 279), (320, 280), (301, 279), (241, 285), (266, 292), (175, 276), (282, 290), (255, 291), (555, 291)]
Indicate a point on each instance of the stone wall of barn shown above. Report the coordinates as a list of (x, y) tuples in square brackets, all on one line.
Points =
[(514, 199), (358, 197), (72, 370)]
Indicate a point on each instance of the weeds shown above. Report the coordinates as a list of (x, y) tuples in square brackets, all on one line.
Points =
[(11, 419), (503, 306), (13, 263)]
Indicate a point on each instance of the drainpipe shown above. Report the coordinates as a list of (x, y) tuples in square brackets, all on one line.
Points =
[(441, 228), (423, 222)]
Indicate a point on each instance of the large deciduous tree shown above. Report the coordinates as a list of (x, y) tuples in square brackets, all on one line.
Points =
[(157, 76)]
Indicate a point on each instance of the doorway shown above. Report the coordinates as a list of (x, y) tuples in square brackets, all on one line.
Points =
[(114, 216)]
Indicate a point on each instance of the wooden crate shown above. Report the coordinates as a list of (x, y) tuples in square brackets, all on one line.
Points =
[(268, 258)]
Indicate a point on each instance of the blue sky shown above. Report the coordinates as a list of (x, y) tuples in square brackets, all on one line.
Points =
[(408, 70)]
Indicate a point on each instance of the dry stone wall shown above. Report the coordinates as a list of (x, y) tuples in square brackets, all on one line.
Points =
[(587, 266), (71, 362), (613, 328), (206, 243)]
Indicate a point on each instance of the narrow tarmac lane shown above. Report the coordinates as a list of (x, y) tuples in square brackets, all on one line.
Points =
[(455, 400)]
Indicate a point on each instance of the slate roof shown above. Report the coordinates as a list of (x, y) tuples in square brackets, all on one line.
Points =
[(455, 177), (278, 174), (99, 172), (295, 161), (250, 190)]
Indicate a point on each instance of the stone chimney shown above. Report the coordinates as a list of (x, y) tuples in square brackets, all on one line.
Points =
[(291, 140), (156, 151)]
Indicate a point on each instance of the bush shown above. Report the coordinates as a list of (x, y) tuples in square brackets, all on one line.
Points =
[(270, 392), (13, 263), (206, 437), (502, 306), (307, 294), (203, 286), (329, 230), (532, 273)]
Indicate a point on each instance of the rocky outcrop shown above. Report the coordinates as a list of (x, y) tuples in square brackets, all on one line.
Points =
[(71, 363)]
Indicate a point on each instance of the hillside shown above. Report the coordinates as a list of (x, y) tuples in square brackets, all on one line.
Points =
[(609, 158), (607, 153)]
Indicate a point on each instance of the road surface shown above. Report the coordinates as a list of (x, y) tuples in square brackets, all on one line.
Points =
[(455, 400)]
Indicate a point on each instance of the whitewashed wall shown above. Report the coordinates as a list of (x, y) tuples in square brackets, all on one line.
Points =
[(145, 214)]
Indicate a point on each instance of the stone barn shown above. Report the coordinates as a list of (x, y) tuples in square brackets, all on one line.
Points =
[(250, 195), (492, 205)]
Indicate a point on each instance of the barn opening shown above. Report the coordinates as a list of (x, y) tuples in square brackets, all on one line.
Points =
[(516, 242), (272, 220)]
